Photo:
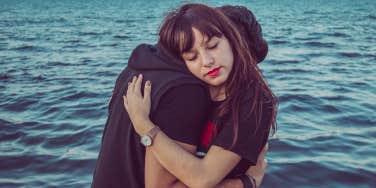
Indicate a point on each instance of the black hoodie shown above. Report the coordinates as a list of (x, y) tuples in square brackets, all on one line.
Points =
[(121, 159)]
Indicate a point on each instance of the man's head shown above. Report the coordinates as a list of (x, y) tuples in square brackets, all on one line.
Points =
[(249, 28)]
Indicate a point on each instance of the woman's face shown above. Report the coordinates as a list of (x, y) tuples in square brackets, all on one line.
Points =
[(210, 60)]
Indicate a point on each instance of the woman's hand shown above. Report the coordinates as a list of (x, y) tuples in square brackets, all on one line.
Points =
[(138, 106), (258, 171)]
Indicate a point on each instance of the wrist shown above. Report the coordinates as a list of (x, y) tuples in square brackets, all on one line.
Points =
[(252, 179), (145, 126), (247, 181)]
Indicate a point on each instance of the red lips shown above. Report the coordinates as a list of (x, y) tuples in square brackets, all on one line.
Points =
[(213, 73)]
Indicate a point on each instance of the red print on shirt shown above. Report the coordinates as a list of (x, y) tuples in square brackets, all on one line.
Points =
[(210, 130)]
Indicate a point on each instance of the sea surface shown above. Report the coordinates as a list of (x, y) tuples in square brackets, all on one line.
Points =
[(59, 61)]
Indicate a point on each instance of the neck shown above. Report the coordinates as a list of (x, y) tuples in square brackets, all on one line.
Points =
[(217, 93)]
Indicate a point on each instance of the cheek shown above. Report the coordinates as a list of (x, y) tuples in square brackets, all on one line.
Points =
[(195, 70), (225, 53), (228, 58), (231, 61)]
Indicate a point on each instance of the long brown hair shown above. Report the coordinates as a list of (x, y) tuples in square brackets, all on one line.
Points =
[(176, 35)]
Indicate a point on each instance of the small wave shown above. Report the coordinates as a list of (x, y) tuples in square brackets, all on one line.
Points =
[(10, 131), (86, 60), (330, 109), (320, 44), (340, 70), (121, 37), (88, 33), (5, 136), (24, 48), (372, 17), (297, 108), (342, 90), (355, 120), (278, 42), (350, 54), (338, 34), (314, 54), (71, 41), (75, 46), (39, 78), (57, 63), (20, 105), (120, 21), (92, 33), (310, 12), (4, 77), (307, 38), (149, 17), (292, 71), (33, 140), (283, 62), (370, 55), (110, 45), (29, 48), (330, 173), (79, 95), (301, 98)]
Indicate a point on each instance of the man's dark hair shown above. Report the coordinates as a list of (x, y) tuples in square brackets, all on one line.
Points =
[(245, 21)]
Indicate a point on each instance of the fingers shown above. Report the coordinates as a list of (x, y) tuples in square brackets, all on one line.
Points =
[(147, 90), (131, 85), (137, 86), (125, 100)]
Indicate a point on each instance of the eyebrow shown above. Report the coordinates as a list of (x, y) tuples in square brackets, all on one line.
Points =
[(206, 42)]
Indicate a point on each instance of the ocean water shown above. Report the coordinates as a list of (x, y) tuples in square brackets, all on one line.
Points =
[(59, 61)]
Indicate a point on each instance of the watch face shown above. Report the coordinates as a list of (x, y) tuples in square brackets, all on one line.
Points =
[(146, 140)]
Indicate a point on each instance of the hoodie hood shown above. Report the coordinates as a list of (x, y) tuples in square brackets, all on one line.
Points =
[(154, 58)]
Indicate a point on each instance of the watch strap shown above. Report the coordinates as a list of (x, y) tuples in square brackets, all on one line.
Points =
[(153, 132), (247, 183)]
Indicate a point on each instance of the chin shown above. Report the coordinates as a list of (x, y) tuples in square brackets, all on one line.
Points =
[(216, 83)]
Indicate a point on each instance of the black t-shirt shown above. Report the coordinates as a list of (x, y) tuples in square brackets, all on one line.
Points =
[(181, 114), (220, 132)]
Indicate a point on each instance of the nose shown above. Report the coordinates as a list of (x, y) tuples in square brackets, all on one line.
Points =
[(207, 59)]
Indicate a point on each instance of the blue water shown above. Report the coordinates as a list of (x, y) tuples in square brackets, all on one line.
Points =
[(59, 61)]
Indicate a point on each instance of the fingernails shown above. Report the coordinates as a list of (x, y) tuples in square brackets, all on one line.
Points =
[(148, 83)]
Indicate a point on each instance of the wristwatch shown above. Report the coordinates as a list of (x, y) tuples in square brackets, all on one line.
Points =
[(147, 140)]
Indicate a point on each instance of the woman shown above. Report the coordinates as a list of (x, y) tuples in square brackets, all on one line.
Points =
[(244, 106)]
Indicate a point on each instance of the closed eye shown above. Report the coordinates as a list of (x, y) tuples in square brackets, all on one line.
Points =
[(192, 58), (213, 47)]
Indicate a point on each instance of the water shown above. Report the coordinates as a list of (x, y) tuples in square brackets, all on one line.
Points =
[(59, 61)]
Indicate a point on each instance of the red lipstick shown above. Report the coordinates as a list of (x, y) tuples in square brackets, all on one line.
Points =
[(213, 73)]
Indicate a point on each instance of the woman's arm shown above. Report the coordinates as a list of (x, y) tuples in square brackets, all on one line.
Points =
[(192, 171), (206, 172), (157, 176)]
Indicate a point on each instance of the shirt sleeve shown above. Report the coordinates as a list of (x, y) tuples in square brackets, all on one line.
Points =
[(250, 141), (182, 113)]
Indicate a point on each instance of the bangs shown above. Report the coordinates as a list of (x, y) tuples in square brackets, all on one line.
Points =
[(187, 38)]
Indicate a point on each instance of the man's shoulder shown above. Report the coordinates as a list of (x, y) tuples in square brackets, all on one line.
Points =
[(188, 92)]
